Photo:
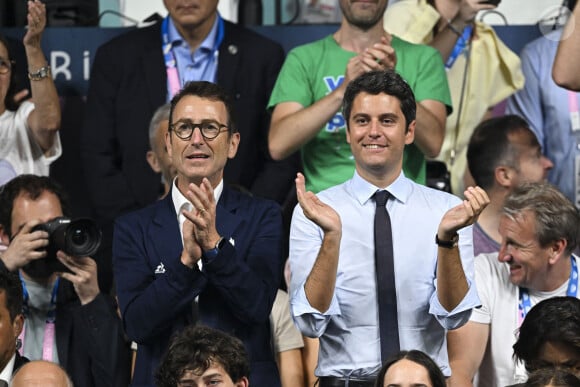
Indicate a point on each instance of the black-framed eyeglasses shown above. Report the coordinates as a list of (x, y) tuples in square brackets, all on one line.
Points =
[(209, 129), (5, 65)]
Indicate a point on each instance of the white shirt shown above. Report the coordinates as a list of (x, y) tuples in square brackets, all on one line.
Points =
[(17, 145), (348, 331), (6, 373)]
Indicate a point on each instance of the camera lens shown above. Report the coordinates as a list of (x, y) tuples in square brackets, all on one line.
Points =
[(78, 237), (82, 238)]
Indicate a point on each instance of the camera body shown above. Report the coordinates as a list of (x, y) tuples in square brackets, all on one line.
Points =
[(78, 238)]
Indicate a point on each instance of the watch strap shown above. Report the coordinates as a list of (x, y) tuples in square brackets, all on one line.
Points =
[(212, 253), (447, 244), (41, 73)]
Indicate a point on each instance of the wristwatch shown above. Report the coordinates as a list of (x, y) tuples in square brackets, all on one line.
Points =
[(41, 73), (212, 253), (447, 244)]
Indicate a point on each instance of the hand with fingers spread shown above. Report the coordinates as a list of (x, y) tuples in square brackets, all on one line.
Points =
[(83, 275), (315, 210), (26, 246), (464, 214)]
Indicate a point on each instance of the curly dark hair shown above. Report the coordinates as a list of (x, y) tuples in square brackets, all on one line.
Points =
[(196, 349), (555, 320), (416, 356)]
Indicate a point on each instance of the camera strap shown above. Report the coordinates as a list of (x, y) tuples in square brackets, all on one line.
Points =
[(49, 323)]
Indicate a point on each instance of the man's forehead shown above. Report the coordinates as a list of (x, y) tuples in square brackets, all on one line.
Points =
[(195, 104), (364, 99), (26, 208)]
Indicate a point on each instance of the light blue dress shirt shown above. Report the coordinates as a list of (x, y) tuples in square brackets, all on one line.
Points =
[(201, 65), (348, 331), (544, 105)]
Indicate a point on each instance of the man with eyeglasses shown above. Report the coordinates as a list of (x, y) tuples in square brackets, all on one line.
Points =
[(205, 254)]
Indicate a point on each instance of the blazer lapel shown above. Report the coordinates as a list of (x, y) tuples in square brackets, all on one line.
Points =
[(227, 221), (164, 233)]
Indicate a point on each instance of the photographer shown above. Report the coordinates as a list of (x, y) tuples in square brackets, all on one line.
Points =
[(68, 320)]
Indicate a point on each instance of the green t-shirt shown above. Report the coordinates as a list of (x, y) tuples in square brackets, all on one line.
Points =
[(313, 70)]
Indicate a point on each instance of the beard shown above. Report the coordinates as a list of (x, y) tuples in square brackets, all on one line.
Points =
[(364, 20), (41, 269)]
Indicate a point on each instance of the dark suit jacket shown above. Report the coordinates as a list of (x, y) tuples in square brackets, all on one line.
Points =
[(236, 289), (129, 81), (90, 340)]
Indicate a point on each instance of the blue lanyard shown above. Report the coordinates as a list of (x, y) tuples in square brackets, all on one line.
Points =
[(525, 303), (460, 46), (51, 314), (49, 326), (171, 62)]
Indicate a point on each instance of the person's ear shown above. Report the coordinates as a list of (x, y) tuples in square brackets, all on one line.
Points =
[(410, 133), (504, 176), (17, 325), (243, 382), (234, 142), (4, 237), (168, 143), (153, 161), (557, 249)]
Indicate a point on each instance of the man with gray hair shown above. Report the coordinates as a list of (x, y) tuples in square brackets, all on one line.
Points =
[(539, 229), (157, 155)]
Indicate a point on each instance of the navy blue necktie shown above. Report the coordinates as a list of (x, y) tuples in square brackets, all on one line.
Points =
[(386, 292)]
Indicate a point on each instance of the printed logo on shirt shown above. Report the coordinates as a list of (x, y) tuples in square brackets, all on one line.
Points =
[(336, 123), (160, 269)]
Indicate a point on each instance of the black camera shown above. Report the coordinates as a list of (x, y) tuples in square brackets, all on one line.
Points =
[(79, 237)]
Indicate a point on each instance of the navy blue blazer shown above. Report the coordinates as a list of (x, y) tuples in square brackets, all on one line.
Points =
[(236, 289)]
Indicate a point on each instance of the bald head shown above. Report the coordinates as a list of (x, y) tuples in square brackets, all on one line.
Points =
[(41, 373)]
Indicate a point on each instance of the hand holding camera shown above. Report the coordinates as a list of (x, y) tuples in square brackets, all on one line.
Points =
[(26, 246), (82, 272)]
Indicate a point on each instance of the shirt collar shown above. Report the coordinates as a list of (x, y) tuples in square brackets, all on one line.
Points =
[(363, 191), (206, 45), (6, 373), (180, 202)]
